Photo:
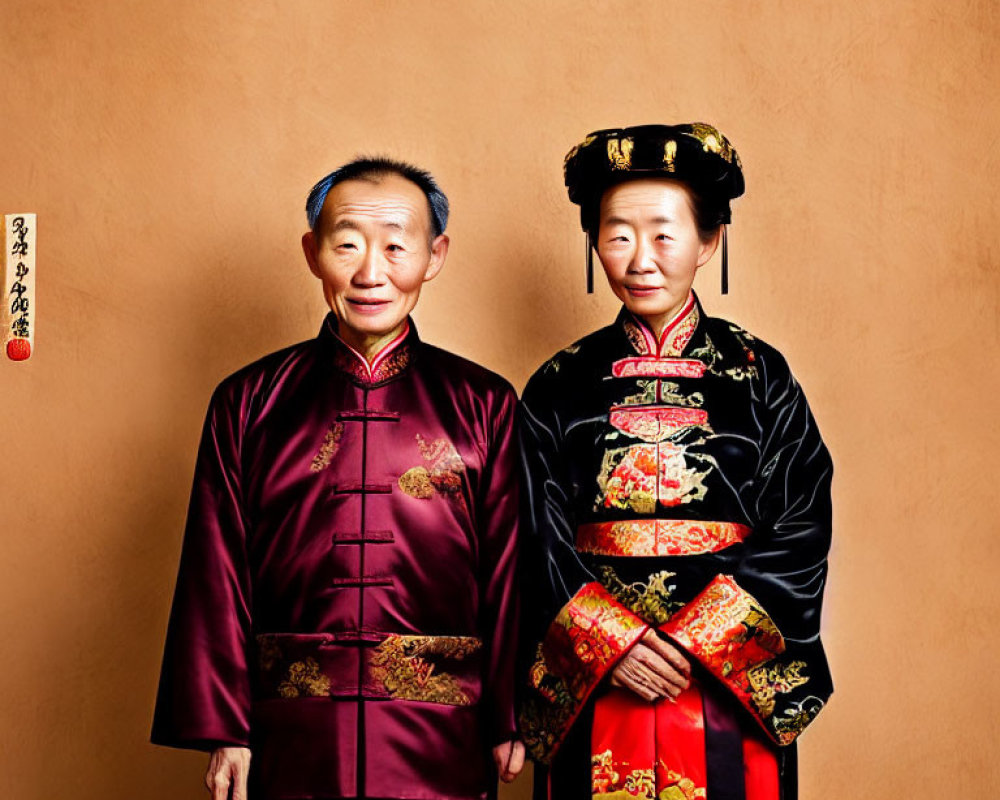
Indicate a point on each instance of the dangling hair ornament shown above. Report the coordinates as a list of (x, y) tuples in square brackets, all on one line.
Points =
[(725, 261), (590, 265)]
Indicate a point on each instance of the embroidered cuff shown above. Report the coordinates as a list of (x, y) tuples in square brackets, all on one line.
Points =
[(584, 642), (731, 635)]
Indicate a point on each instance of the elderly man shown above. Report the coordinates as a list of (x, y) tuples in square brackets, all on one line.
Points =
[(345, 605)]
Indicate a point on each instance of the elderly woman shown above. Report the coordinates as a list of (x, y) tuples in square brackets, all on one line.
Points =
[(677, 508)]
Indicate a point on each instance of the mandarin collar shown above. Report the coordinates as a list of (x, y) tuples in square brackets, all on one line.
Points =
[(390, 362), (675, 336)]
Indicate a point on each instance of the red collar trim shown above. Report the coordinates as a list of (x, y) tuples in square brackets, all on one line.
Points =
[(391, 360), (675, 335)]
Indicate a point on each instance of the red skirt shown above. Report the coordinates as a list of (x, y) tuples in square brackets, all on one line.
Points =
[(657, 751)]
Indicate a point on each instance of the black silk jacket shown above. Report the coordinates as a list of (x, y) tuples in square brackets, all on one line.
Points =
[(681, 485)]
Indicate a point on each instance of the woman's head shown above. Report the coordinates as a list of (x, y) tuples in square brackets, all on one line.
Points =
[(651, 245), (693, 161)]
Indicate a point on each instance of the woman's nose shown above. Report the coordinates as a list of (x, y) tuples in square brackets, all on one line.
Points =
[(642, 258)]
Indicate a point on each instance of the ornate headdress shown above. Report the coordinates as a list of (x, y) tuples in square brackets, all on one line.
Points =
[(695, 154)]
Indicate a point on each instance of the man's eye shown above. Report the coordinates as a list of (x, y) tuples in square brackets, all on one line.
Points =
[(346, 246), (395, 248)]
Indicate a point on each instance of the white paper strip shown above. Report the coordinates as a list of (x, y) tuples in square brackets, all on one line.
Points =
[(19, 286)]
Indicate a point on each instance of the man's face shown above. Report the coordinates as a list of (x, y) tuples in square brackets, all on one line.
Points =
[(372, 250), (649, 245)]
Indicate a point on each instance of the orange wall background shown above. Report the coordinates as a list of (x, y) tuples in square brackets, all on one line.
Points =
[(167, 149)]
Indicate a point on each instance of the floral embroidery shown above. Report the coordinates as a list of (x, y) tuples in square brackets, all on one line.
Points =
[(304, 679), (639, 476), (649, 600), (404, 666), (442, 474), (658, 537), (331, 443)]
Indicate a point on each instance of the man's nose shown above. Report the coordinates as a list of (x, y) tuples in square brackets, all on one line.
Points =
[(369, 271)]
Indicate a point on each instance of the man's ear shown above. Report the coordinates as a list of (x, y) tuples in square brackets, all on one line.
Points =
[(309, 248), (439, 251), (707, 249)]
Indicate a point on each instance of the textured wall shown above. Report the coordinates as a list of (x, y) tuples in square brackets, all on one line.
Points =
[(167, 149)]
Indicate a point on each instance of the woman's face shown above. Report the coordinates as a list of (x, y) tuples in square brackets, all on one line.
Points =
[(649, 245)]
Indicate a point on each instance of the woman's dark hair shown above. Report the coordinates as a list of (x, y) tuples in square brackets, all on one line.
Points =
[(708, 215)]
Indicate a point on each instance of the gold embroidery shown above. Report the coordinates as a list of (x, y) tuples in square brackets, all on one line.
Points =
[(443, 473), (662, 783), (678, 787), (712, 141), (636, 338), (796, 718), (268, 652), (577, 148), (669, 154), (620, 153), (726, 629), (602, 772), (658, 537), (416, 482), (401, 664), (650, 600), (331, 443), (639, 476), (766, 680), (304, 679)]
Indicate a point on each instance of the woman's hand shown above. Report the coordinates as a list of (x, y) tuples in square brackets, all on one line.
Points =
[(509, 758), (653, 669), (228, 766)]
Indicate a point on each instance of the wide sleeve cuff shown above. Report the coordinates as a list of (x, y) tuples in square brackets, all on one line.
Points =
[(730, 634), (588, 637)]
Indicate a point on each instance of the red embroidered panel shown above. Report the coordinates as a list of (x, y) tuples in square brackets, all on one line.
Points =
[(656, 423), (658, 368), (658, 537)]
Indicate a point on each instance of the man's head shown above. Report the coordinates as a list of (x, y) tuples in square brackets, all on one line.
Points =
[(376, 236)]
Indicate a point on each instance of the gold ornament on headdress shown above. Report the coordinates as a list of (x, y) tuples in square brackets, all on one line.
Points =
[(577, 148), (620, 153), (712, 141), (669, 154)]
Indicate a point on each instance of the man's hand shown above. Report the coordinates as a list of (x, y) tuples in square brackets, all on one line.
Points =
[(227, 767), (509, 758), (653, 669)]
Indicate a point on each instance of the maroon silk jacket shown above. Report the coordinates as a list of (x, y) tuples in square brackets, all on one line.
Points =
[(345, 604)]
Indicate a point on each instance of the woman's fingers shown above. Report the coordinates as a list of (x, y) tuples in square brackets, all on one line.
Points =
[(667, 651), (632, 674), (669, 678)]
